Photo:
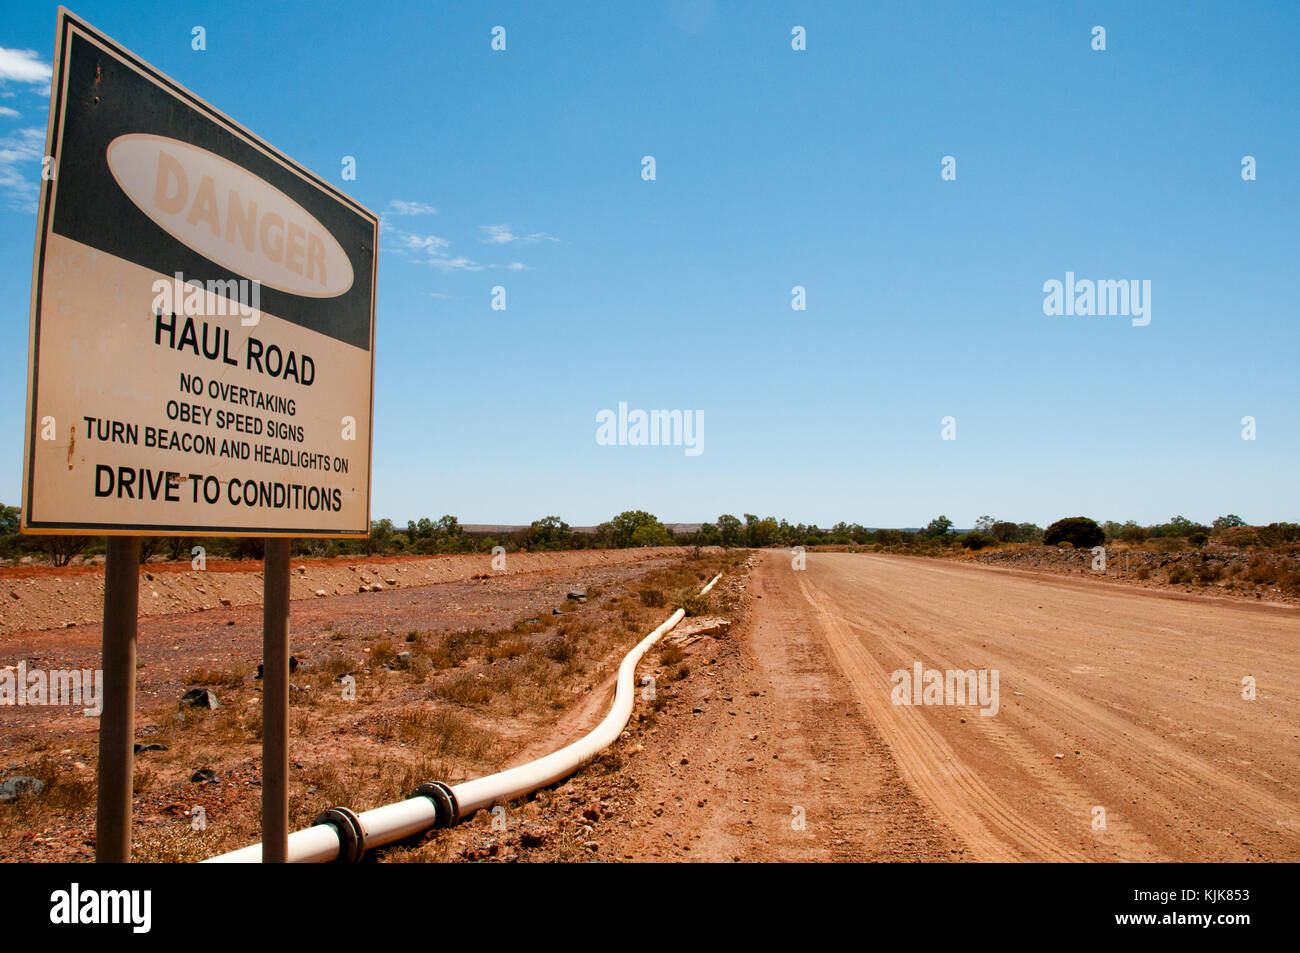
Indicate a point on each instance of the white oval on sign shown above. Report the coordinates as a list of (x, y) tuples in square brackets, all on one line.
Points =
[(229, 215)]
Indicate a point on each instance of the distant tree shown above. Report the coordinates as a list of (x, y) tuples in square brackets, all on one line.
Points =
[(626, 524), (937, 527), (1029, 533), (1178, 526), (985, 525), (549, 533), (381, 537), (1275, 534), (1131, 532), (1198, 538), (251, 547), (760, 533), (1080, 531), (706, 535), (63, 549), (1003, 532), (1226, 522), (655, 534), (150, 546), (730, 530), (9, 519), (977, 540), (180, 547)]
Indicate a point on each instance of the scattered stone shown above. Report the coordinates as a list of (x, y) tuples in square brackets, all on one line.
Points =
[(320, 592), (151, 746), (200, 698), (390, 582), (225, 602), (535, 836), (203, 776), (700, 626), (376, 587)]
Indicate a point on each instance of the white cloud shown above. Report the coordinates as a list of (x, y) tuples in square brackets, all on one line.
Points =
[(498, 234), (504, 235), (410, 241), (24, 66), (459, 263), (518, 266), (401, 207), (6, 111), (425, 243), (25, 146), (427, 249)]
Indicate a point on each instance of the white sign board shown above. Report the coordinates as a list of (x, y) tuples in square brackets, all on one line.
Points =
[(201, 354)]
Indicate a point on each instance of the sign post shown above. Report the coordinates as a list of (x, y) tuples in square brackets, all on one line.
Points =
[(275, 702), (117, 719), (200, 362)]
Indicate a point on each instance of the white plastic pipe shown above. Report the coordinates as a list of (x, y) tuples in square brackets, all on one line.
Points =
[(383, 825)]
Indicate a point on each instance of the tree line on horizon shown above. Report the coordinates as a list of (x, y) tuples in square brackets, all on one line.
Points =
[(637, 528)]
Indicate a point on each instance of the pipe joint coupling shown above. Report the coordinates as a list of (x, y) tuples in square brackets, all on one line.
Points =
[(352, 833), (444, 801)]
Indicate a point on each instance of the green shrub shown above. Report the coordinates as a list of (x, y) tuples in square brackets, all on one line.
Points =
[(1079, 531)]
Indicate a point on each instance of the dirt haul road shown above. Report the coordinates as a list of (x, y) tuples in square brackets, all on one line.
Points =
[(1127, 703)]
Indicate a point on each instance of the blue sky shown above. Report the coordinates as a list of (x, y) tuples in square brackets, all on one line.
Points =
[(775, 168)]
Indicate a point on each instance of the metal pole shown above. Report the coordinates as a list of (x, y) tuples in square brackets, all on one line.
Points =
[(275, 702), (117, 719)]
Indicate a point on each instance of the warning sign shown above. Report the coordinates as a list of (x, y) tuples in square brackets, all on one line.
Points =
[(201, 354)]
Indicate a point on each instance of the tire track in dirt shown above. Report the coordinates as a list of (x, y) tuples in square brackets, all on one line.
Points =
[(1138, 695), (931, 765)]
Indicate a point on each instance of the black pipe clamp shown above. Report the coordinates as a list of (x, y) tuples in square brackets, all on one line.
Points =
[(444, 802), (352, 834)]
